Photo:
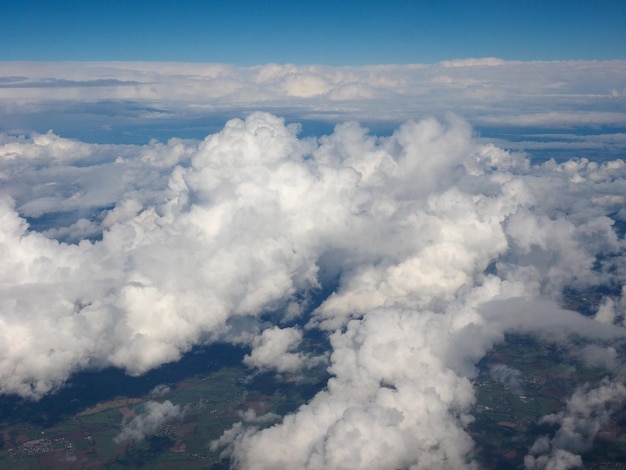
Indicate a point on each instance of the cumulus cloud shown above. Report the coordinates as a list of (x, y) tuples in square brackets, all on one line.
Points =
[(433, 244), (388, 405), (154, 416), (586, 412), (276, 348)]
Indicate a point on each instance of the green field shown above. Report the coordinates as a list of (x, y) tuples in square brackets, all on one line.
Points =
[(212, 392), (76, 427), (507, 418)]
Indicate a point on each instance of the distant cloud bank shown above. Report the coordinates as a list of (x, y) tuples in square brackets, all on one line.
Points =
[(486, 91)]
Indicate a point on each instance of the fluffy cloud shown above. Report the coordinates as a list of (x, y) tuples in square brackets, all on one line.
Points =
[(586, 412), (388, 405), (275, 349), (434, 245), (154, 416)]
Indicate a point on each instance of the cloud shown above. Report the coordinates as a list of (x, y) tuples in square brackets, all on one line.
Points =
[(20, 82), (47, 173), (433, 243), (481, 62), (274, 349), (160, 389), (250, 416), (379, 410), (489, 92), (508, 376), (586, 412), (154, 416), (559, 119)]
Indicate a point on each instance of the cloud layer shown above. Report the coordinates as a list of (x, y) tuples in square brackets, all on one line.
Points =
[(120, 99), (434, 243)]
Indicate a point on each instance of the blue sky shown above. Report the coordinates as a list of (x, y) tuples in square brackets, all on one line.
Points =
[(322, 32)]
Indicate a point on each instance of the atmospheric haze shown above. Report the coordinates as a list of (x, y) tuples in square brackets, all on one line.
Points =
[(435, 243)]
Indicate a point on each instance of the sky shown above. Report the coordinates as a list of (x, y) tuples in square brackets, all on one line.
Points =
[(172, 176), (319, 32)]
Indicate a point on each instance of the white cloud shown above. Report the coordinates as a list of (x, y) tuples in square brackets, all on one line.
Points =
[(274, 349), (481, 62), (434, 243), (154, 416), (388, 405), (586, 412), (489, 91), (558, 119)]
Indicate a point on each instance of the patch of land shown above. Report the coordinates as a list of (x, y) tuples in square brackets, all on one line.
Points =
[(212, 399), (507, 413)]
